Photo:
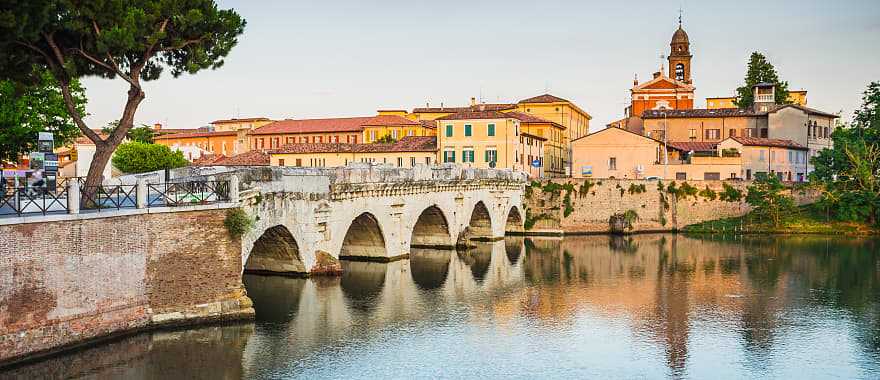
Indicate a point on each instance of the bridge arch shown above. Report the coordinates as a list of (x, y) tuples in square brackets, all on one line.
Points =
[(431, 230), (480, 223), (363, 239), (514, 221), (275, 252)]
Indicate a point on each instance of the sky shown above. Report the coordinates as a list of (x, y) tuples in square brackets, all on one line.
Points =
[(337, 58)]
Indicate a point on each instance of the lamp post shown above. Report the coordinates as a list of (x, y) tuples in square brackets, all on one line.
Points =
[(665, 147)]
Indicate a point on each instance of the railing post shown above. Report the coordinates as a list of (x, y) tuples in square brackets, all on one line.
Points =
[(233, 189), (141, 193), (73, 197)]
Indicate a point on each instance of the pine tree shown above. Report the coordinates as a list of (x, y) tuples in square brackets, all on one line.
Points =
[(760, 71)]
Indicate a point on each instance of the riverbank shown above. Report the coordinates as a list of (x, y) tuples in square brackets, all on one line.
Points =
[(806, 221)]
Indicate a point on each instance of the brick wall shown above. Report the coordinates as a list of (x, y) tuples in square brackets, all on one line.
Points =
[(62, 283), (593, 208)]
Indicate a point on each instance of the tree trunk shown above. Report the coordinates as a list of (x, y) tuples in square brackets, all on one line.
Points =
[(104, 149)]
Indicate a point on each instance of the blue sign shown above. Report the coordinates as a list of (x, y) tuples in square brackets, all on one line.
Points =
[(587, 170), (536, 163)]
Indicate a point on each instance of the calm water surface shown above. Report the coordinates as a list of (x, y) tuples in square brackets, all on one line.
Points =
[(650, 306)]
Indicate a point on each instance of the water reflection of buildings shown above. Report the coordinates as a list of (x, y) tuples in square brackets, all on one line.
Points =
[(667, 289)]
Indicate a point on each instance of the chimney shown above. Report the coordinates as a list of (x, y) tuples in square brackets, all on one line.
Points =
[(636, 80), (473, 101), (441, 104), (656, 74), (157, 126), (482, 107)]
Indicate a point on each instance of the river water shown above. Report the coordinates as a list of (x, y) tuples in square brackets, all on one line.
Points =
[(647, 306)]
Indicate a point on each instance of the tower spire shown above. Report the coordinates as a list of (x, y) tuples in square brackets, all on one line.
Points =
[(680, 11)]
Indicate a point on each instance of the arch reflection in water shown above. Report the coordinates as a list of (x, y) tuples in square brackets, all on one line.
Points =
[(477, 259), (276, 299), (362, 282), (513, 248), (429, 267)]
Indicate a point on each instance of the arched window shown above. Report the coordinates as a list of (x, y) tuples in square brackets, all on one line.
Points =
[(679, 72)]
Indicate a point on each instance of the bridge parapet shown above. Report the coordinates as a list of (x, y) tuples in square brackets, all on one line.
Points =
[(359, 177)]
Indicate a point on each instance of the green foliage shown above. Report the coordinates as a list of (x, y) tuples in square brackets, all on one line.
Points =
[(760, 71), (566, 201), (585, 188), (768, 202), (686, 190), (26, 110), (237, 222), (626, 218), (636, 189), (730, 194), (530, 221), (387, 139), (143, 134), (630, 216), (136, 157), (708, 194), (849, 174), (130, 40)]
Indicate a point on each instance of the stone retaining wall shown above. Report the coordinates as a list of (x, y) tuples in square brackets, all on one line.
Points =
[(593, 201), (67, 282)]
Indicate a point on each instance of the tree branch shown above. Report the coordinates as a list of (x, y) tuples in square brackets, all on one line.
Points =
[(184, 44), (74, 113)]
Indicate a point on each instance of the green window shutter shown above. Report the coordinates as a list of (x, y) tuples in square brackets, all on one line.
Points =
[(491, 130), (467, 129), (448, 131), (487, 155)]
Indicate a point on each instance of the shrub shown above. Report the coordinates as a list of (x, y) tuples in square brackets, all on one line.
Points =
[(138, 157), (730, 194), (237, 222)]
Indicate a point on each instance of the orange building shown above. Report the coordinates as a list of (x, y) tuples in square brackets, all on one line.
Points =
[(224, 143)]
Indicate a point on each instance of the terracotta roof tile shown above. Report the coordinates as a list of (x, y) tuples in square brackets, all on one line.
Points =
[(249, 158), (779, 143), (477, 107), (727, 112), (546, 98), (242, 120), (340, 124), (526, 118), (469, 115), (406, 144), (696, 146), (194, 135)]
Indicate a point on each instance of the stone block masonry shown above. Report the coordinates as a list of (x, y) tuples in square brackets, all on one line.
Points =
[(67, 282), (592, 202)]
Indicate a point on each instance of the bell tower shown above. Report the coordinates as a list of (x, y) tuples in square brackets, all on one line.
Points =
[(680, 55)]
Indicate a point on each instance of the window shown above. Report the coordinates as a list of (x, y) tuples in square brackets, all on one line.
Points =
[(692, 134), (281, 162), (490, 131), (412, 161), (791, 156), (394, 134), (826, 132), (612, 163), (761, 155), (448, 155), (749, 174), (713, 134), (681, 176), (448, 131), (467, 131), (764, 133), (679, 72), (467, 155), (399, 162), (410, 132), (372, 135), (491, 155), (262, 143), (711, 176), (319, 139), (299, 162), (731, 133), (427, 160)]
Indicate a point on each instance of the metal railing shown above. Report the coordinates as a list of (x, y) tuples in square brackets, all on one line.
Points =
[(187, 193), (108, 197), (32, 200), (75, 198)]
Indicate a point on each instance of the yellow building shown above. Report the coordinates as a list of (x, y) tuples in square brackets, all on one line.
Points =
[(482, 139), (785, 159), (795, 97), (349, 130), (396, 125), (226, 125), (408, 152), (716, 103), (553, 134)]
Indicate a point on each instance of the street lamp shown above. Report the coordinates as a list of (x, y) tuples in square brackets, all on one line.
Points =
[(665, 147)]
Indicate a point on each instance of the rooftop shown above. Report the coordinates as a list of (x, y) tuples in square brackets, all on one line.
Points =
[(185, 135), (406, 144), (546, 98), (242, 120), (340, 124), (779, 143), (470, 115)]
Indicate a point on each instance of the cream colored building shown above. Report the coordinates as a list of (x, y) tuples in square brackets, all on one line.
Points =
[(226, 125), (408, 152), (618, 153), (783, 158)]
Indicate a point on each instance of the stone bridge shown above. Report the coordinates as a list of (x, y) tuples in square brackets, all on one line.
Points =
[(307, 219)]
